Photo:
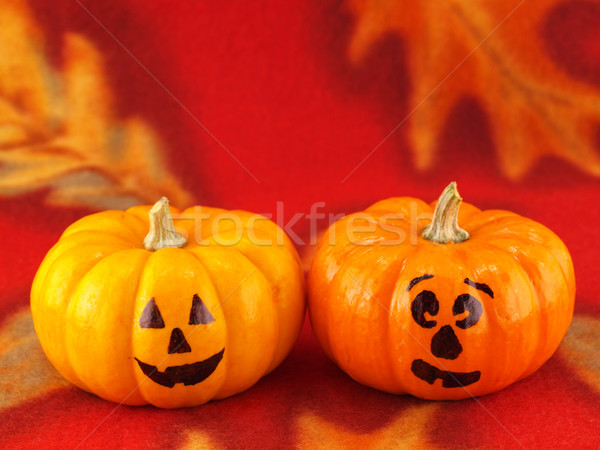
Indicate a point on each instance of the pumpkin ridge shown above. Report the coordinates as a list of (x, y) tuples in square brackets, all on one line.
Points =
[(91, 223), (395, 300), (243, 255), (540, 230), (384, 279), (565, 275), (397, 205), (255, 270), (139, 239), (79, 233), (38, 300), (77, 249), (549, 234), (225, 325), (529, 264), (133, 364), (53, 255), (287, 244), (277, 326), (135, 391), (376, 219), (351, 251), (490, 222), (378, 214), (494, 320), (47, 264), (68, 306), (337, 280), (258, 270), (544, 340), (265, 224), (141, 221), (401, 199), (468, 212), (274, 288), (461, 254), (524, 267), (503, 227), (97, 384), (39, 281), (405, 225)]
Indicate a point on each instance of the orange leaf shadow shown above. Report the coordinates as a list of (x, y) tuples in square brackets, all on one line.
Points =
[(59, 129), (492, 51)]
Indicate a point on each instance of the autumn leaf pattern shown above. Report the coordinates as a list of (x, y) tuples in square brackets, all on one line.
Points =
[(409, 430), (580, 349), (493, 51), (59, 130), (25, 372), (27, 376)]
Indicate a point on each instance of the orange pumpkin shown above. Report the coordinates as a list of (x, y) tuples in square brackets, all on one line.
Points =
[(409, 302), (166, 317)]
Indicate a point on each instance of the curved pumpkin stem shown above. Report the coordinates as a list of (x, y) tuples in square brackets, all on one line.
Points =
[(162, 231), (444, 225)]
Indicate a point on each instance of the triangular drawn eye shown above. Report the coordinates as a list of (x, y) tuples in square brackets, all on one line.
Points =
[(151, 317), (200, 313)]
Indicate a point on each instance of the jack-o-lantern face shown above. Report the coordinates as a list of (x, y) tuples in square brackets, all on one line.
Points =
[(459, 305), (188, 374), (139, 308), (444, 343)]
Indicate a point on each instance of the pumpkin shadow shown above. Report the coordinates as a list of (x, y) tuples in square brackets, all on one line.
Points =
[(307, 382), (266, 415)]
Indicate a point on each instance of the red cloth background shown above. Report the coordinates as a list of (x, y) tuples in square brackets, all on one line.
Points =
[(271, 81)]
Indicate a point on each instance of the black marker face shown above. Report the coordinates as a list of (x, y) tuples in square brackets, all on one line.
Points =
[(199, 314), (429, 373), (188, 374), (445, 343), (425, 302), (466, 302), (151, 317)]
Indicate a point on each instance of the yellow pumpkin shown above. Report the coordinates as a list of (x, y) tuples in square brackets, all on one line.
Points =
[(169, 318), (405, 300)]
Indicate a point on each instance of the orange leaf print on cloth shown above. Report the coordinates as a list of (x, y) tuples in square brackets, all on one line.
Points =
[(25, 372), (199, 440), (493, 51), (407, 431), (581, 349), (59, 130)]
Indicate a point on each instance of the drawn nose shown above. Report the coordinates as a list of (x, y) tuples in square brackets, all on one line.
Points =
[(445, 344), (178, 344)]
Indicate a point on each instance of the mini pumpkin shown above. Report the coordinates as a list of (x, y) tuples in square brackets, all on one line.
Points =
[(170, 318), (409, 302)]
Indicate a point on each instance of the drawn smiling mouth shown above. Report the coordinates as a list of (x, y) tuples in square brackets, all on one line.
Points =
[(429, 373), (188, 374)]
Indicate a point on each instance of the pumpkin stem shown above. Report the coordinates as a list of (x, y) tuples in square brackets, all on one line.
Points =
[(162, 231), (444, 225)]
